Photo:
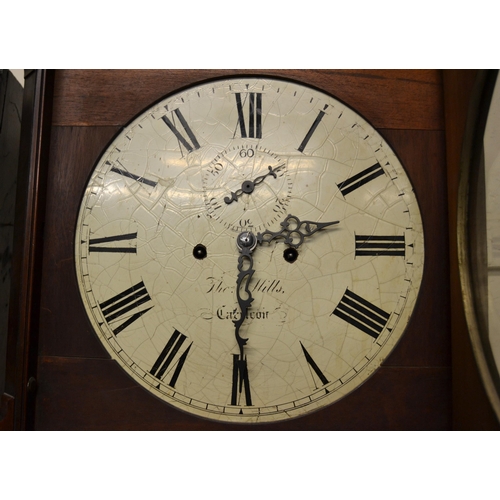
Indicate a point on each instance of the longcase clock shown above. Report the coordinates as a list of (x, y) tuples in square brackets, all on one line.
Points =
[(235, 250)]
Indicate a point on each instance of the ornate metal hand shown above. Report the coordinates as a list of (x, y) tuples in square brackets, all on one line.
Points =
[(293, 231), (246, 243), (248, 186)]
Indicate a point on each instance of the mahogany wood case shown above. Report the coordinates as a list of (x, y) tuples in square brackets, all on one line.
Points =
[(60, 377)]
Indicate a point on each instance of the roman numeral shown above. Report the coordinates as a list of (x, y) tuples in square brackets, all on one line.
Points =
[(254, 115), (167, 355), (240, 381), (358, 180), (380, 245), (194, 142), (360, 313), (124, 302), (95, 242), (137, 178), (314, 126), (314, 366)]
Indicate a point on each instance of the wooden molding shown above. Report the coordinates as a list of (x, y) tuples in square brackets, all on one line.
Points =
[(28, 245)]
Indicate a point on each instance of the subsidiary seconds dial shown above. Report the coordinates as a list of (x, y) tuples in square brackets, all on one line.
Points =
[(241, 333), (247, 186)]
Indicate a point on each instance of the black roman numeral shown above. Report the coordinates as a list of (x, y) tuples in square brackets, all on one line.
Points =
[(240, 381), (167, 356), (119, 305), (137, 178), (94, 244), (309, 134), (380, 245), (314, 366), (360, 313), (358, 180), (254, 115), (194, 142)]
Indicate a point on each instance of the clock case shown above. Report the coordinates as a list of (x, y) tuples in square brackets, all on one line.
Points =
[(59, 376)]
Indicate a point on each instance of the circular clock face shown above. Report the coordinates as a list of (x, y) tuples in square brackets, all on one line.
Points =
[(249, 250)]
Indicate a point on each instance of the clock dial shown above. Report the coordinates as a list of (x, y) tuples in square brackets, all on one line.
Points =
[(162, 277)]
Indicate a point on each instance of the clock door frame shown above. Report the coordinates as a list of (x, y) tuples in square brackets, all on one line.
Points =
[(476, 402), (18, 401)]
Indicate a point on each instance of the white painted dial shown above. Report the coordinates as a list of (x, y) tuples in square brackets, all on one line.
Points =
[(157, 260)]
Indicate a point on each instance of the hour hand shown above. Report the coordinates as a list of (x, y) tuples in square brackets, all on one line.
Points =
[(293, 231)]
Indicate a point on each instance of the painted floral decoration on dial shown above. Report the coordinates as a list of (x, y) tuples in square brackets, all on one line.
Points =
[(165, 284)]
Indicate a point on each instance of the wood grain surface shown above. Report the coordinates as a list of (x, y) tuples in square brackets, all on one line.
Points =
[(95, 394), (402, 99)]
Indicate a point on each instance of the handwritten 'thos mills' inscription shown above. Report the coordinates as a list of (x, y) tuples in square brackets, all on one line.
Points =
[(217, 285)]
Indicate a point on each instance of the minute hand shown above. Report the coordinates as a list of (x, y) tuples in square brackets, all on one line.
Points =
[(246, 243), (293, 231)]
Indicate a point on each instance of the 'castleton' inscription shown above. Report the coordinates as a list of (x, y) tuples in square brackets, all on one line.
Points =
[(261, 285), (234, 314), (230, 312)]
